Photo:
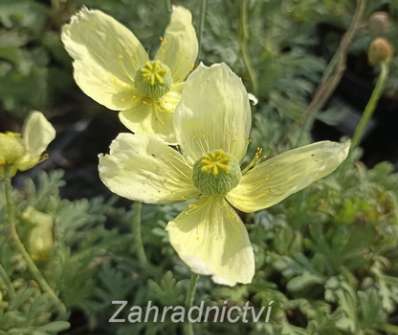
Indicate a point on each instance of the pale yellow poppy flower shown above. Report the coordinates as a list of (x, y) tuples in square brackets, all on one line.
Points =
[(113, 68), (20, 152), (213, 123)]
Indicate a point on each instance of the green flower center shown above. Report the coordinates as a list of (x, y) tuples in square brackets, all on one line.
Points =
[(153, 80), (216, 173)]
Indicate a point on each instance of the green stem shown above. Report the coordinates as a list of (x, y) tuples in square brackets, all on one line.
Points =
[(191, 290), (37, 275), (332, 75), (189, 300), (4, 276), (371, 106), (202, 15), (137, 234), (244, 37)]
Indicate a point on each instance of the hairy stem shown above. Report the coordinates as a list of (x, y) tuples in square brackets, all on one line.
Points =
[(137, 234), (244, 37), (202, 21), (37, 275), (189, 300), (371, 106), (333, 73)]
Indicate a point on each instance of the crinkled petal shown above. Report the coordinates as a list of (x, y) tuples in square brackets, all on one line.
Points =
[(214, 113), (143, 168), (212, 240), (179, 47), (275, 179), (106, 57), (153, 117)]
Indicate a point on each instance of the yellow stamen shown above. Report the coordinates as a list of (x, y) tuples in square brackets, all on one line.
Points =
[(216, 172), (153, 73), (214, 162), (153, 80)]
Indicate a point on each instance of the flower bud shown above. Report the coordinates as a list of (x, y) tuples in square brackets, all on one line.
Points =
[(40, 238), (380, 51), (216, 173), (153, 80), (11, 150), (11, 147), (379, 23)]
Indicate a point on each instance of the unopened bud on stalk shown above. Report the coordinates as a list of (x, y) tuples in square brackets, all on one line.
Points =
[(380, 51), (379, 23), (40, 239)]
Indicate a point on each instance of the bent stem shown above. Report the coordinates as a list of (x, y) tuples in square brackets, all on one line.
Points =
[(333, 74), (37, 275), (190, 300), (371, 106), (137, 234)]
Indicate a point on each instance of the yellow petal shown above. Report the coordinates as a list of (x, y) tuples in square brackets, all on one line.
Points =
[(214, 113), (179, 47), (37, 134), (275, 179), (212, 240), (106, 57), (144, 168), (153, 117)]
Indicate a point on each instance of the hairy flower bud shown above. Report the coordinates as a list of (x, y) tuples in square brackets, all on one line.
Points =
[(153, 80), (380, 50), (379, 23), (216, 173), (40, 239)]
